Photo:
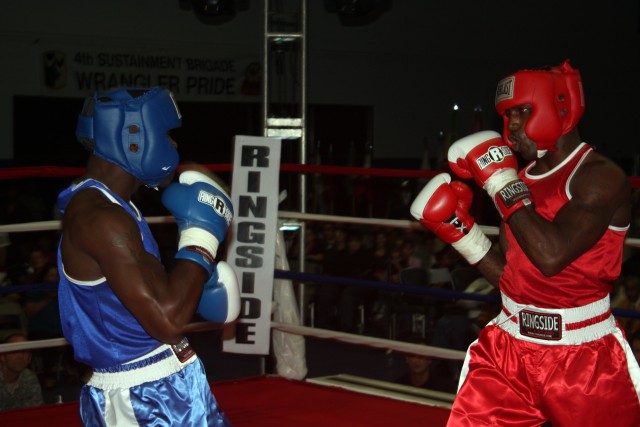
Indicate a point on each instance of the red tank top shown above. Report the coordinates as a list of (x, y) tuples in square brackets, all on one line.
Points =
[(585, 280)]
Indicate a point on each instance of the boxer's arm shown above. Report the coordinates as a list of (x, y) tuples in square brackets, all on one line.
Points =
[(492, 264), (104, 241), (601, 195)]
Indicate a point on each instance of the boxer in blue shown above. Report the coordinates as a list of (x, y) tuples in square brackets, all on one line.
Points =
[(121, 311)]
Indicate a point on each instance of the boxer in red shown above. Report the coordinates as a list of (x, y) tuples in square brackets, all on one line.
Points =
[(555, 353)]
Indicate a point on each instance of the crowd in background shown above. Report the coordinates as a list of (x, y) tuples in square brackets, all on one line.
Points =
[(29, 261)]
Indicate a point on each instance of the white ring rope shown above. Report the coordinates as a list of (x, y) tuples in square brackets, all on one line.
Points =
[(389, 345), (403, 347), (32, 345), (60, 342), (399, 223)]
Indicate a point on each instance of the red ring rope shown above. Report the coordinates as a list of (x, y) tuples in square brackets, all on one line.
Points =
[(62, 171)]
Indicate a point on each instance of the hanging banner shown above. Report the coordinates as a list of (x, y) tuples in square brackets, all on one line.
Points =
[(71, 71), (251, 252)]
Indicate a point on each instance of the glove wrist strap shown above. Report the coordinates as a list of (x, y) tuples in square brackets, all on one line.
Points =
[(499, 180), (509, 193), (473, 246), (199, 237), (508, 206), (198, 255)]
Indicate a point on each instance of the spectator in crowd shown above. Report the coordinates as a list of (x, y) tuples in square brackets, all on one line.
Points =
[(396, 264), (381, 253), (19, 386), (421, 254), (400, 199), (43, 314), (629, 296), (355, 302), (313, 251), (380, 271), (333, 265), (37, 259), (407, 249), (422, 373), (23, 203), (41, 307), (345, 256), (5, 242)]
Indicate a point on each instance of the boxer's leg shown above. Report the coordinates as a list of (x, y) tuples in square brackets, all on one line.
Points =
[(508, 397), (183, 399), (584, 385)]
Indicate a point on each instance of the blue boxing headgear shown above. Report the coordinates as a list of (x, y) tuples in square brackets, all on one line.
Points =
[(128, 127)]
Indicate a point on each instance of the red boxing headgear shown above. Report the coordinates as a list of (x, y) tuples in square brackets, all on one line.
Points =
[(556, 96)]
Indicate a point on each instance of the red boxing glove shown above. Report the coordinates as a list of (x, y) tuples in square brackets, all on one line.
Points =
[(443, 207), (485, 157)]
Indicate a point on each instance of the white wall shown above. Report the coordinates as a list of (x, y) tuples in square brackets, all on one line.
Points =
[(411, 65)]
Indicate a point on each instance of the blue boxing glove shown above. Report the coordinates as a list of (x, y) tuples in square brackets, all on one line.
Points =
[(220, 300), (203, 213)]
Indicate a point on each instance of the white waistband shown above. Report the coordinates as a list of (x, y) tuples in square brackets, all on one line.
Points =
[(153, 371), (575, 334), (569, 315)]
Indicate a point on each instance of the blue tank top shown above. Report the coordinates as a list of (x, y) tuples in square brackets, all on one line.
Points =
[(101, 330)]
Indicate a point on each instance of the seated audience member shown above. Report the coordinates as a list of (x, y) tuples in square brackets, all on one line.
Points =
[(19, 386), (629, 298), (358, 264), (327, 295), (422, 373), (41, 308), (381, 254), (396, 265), (5, 242), (38, 258)]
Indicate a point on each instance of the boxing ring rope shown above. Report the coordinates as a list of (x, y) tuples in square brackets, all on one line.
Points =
[(66, 171), (379, 343), (487, 229)]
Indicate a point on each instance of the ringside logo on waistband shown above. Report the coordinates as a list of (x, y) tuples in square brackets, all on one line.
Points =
[(542, 326), (183, 350)]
